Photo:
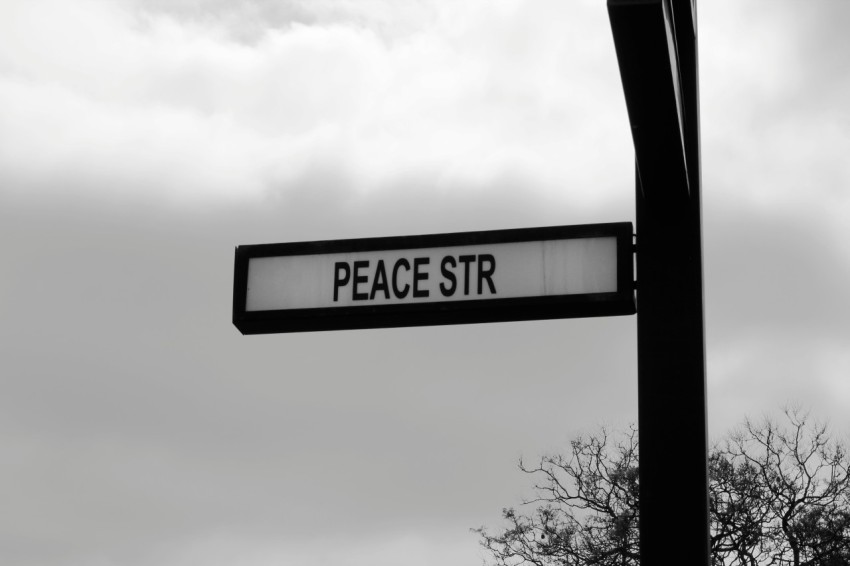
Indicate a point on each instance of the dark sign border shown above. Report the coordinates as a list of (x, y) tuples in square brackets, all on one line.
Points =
[(434, 313)]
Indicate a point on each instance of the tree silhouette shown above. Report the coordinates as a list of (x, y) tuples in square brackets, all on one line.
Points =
[(779, 496)]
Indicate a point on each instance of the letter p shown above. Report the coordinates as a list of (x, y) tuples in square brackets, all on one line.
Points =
[(342, 275)]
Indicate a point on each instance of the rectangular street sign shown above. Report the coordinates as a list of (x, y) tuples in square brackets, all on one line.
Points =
[(493, 276)]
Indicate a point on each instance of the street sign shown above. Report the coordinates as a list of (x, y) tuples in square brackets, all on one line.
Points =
[(493, 276)]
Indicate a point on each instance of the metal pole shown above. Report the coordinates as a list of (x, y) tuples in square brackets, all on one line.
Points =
[(656, 44)]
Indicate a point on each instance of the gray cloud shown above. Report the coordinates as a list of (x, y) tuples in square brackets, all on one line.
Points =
[(776, 314), (476, 94)]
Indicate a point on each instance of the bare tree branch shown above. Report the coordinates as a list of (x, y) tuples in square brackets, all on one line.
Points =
[(779, 496)]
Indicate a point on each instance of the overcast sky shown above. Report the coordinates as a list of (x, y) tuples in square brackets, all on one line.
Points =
[(142, 140)]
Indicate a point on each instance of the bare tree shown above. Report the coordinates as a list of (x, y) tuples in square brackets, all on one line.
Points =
[(588, 508), (737, 510), (779, 496), (790, 497)]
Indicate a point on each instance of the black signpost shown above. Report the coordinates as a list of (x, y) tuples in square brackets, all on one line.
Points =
[(556, 272), (656, 44)]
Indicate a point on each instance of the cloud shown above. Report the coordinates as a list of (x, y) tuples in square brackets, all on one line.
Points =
[(409, 549), (205, 101), (776, 312), (180, 107), (774, 129)]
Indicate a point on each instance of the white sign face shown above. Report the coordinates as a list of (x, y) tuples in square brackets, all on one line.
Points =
[(503, 275), (452, 273)]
